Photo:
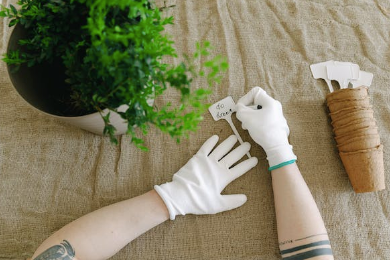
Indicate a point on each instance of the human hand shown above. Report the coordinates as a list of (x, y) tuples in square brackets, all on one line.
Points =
[(263, 117), (196, 188)]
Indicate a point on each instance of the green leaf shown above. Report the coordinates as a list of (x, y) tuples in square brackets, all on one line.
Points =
[(13, 22), (13, 9), (115, 53), (224, 65)]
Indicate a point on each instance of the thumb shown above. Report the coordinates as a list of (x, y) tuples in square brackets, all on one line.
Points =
[(233, 201)]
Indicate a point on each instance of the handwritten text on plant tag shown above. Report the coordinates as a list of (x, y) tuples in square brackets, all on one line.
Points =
[(222, 108)]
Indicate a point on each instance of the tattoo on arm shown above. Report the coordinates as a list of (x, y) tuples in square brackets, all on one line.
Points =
[(305, 249), (311, 236), (63, 251)]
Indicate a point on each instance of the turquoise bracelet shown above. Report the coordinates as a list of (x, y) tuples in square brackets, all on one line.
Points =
[(281, 165)]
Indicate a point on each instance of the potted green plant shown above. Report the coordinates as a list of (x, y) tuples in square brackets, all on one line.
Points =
[(100, 62)]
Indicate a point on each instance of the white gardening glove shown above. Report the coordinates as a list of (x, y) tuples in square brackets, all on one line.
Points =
[(196, 188), (263, 117)]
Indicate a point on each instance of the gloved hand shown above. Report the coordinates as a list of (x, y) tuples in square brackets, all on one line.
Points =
[(263, 117), (196, 188)]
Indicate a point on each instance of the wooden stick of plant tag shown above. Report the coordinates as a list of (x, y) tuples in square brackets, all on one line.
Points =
[(224, 109)]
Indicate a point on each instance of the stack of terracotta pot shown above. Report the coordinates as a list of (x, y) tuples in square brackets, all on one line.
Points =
[(357, 138)]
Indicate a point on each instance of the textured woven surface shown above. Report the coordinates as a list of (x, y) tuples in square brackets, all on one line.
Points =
[(52, 173)]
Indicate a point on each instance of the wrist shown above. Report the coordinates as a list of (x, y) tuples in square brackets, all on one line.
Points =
[(163, 191), (177, 197), (280, 156), (290, 168), (280, 165), (160, 206)]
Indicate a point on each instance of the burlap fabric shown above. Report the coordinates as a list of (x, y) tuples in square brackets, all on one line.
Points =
[(52, 173)]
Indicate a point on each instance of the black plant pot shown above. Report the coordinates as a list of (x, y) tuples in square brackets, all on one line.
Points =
[(43, 87)]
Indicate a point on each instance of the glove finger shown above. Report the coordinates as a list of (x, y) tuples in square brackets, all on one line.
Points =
[(224, 147), (241, 168), (241, 108), (208, 146), (246, 114), (262, 98), (248, 98), (235, 155), (233, 201)]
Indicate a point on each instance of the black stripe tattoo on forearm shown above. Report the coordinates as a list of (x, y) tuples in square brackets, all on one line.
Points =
[(310, 254), (297, 248), (323, 234)]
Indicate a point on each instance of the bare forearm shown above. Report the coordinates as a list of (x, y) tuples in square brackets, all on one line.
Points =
[(195, 189), (102, 233), (301, 230)]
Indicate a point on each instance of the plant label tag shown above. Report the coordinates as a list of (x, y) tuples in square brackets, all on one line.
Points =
[(354, 68), (365, 79), (340, 73), (319, 72), (345, 73), (319, 69), (224, 109)]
